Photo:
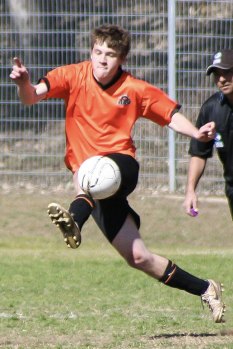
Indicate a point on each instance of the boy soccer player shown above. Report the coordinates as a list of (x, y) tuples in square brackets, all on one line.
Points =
[(103, 103)]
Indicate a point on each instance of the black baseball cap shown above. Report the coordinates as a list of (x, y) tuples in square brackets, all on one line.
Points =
[(222, 59)]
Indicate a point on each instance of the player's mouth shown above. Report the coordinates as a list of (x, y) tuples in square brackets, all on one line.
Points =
[(102, 67), (225, 87)]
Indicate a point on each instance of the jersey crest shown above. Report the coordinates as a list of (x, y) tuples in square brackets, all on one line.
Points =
[(124, 100)]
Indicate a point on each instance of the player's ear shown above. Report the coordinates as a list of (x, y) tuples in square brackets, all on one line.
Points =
[(123, 60)]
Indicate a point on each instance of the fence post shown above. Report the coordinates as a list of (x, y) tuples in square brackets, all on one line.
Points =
[(171, 87)]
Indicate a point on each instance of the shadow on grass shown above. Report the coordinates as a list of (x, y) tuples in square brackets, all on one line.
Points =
[(176, 335)]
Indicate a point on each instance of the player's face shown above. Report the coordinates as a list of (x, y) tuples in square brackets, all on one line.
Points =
[(224, 80), (105, 62)]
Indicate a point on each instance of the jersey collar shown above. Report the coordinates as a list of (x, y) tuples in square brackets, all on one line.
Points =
[(112, 82)]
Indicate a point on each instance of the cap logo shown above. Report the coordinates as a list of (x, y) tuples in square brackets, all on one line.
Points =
[(217, 58)]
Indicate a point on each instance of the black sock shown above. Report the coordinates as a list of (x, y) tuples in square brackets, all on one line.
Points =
[(81, 209), (178, 278)]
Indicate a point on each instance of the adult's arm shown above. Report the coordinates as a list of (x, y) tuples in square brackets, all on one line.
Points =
[(195, 171)]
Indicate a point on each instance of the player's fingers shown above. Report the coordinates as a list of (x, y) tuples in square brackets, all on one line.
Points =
[(188, 211), (193, 207), (212, 125), (187, 207), (12, 76), (17, 62), (212, 130)]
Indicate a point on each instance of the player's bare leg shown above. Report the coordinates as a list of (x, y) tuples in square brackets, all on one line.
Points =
[(130, 245)]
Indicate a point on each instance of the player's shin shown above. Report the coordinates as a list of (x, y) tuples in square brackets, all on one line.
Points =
[(81, 208), (178, 278)]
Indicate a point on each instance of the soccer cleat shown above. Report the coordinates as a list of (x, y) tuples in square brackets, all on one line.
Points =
[(65, 222), (213, 298)]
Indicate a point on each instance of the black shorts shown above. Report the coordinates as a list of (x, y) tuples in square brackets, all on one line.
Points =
[(229, 195), (110, 214)]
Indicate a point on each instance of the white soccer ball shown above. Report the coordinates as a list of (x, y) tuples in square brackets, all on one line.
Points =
[(99, 176)]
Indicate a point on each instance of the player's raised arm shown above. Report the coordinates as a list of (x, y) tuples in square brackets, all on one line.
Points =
[(29, 94), (181, 124)]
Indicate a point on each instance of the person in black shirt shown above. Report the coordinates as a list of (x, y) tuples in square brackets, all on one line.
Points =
[(217, 108)]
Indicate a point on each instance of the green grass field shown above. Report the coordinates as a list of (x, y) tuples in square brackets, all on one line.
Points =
[(54, 297)]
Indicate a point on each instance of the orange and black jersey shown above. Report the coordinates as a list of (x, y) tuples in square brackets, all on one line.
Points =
[(100, 120)]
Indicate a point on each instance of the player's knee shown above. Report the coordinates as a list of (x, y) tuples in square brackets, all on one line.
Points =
[(140, 260)]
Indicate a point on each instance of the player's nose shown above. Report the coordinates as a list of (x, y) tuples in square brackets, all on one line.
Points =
[(222, 78), (103, 59)]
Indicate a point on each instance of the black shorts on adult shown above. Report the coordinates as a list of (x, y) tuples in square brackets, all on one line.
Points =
[(229, 194), (110, 214)]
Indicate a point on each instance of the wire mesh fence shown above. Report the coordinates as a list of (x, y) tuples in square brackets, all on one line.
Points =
[(46, 34)]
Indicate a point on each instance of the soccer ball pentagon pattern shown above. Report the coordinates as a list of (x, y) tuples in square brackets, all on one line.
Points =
[(99, 176)]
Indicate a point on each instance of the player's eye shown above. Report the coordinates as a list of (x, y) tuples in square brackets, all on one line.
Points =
[(97, 52), (112, 54)]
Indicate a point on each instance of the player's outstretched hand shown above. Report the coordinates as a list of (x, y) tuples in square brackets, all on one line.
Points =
[(19, 73), (207, 132)]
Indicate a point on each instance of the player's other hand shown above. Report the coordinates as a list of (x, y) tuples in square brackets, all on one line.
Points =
[(207, 132), (191, 203), (19, 73)]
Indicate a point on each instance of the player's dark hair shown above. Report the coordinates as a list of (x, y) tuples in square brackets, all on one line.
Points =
[(115, 37)]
